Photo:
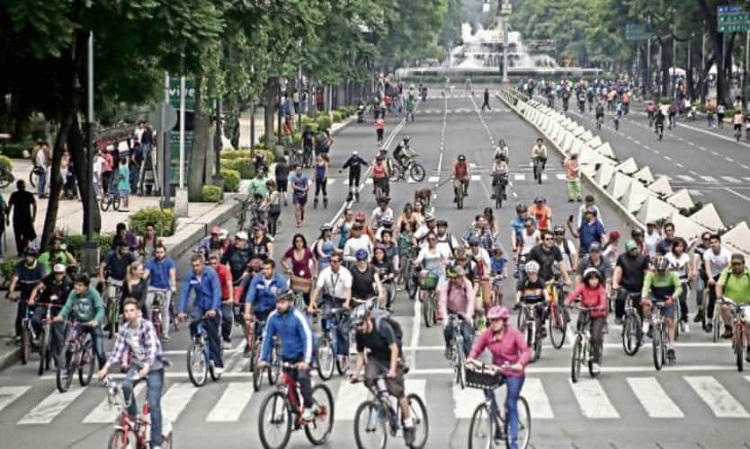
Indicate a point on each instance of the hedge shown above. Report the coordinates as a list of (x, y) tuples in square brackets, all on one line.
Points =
[(324, 122), (337, 116), (231, 180), (6, 163), (243, 165), (163, 219), (75, 244), (236, 154), (15, 150), (211, 194)]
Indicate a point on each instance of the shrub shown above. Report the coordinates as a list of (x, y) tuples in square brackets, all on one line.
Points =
[(236, 154), (211, 193), (75, 244), (164, 221), (243, 165), (15, 150), (260, 145), (231, 180), (6, 163), (337, 116), (324, 122)]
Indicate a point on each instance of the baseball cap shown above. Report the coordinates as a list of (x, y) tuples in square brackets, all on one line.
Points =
[(630, 245), (59, 268), (216, 230), (241, 235)]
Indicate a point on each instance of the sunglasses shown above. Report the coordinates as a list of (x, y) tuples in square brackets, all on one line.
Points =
[(548, 239), (335, 261)]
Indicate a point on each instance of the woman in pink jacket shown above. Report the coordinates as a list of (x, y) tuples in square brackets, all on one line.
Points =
[(593, 295), (509, 353)]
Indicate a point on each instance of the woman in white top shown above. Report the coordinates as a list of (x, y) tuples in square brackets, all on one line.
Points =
[(432, 259), (529, 237), (680, 263)]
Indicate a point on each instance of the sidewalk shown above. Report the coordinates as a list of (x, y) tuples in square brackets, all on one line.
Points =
[(70, 217)]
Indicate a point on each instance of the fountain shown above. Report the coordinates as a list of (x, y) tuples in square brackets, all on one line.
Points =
[(481, 55)]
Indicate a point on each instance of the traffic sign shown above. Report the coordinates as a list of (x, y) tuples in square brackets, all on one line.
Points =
[(636, 32), (170, 116), (732, 19)]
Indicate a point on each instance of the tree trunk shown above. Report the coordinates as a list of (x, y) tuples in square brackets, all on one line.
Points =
[(196, 173), (269, 112), (53, 204), (76, 148)]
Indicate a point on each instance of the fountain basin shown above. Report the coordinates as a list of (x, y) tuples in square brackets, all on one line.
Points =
[(491, 74)]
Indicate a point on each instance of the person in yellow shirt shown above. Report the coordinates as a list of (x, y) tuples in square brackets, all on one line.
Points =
[(573, 177)]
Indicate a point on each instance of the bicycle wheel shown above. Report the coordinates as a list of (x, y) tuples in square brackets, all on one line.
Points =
[(257, 377), (342, 363), (116, 202), (657, 347), (275, 413), (112, 316), (421, 421), (6, 179), (325, 358), (197, 365), (33, 177), (537, 340), (395, 174), (104, 202), (274, 369), (460, 197), (740, 347), (631, 334), (25, 343), (575, 361), (499, 192), (460, 363), (417, 172), (557, 323), (86, 368), (521, 320), (481, 428), (587, 355), (319, 430), (368, 420), (122, 440), (524, 426), (717, 324), (64, 375), (427, 312), (44, 349)]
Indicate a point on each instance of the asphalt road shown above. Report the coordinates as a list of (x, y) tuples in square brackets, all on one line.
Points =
[(700, 402), (710, 163)]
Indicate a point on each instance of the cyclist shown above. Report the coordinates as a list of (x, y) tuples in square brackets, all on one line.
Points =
[(228, 300), (446, 242), (456, 297), (715, 260), (260, 298), (365, 279), (650, 111), (509, 353), (592, 294), (290, 325), (87, 308), (566, 246), (599, 111), (381, 341), (237, 257), (530, 237), (57, 252), (210, 243), (28, 273), (162, 273), (631, 269), (734, 283), (333, 289), (518, 225), (147, 362), (532, 290), (659, 118), (354, 164), (113, 269), (661, 285), (461, 174), (547, 254), (53, 290), (381, 213), (403, 153), (539, 155), (542, 213), (204, 282), (738, 120), (502, 150), (358, 240)]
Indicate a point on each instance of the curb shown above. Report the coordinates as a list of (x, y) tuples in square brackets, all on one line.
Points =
[(630, 221)]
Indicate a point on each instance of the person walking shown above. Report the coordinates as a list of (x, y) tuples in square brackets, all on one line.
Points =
[(573, 177), (486, 99), (24, 216)]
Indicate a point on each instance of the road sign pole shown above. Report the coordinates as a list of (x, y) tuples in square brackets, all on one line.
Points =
[(182, 133)]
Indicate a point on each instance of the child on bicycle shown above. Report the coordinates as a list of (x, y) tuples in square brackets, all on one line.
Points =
[(593, 294), (498, 271), (509, 353), (533, 291)]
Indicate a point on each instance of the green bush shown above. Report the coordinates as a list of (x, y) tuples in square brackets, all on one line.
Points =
[(164, 221), (211, 194), (260, 145), (15, 150), (6, 163), (236, 154), (75, 244), (324, 122), (231, 180), (243, 165), (337, 116), (297, 138)]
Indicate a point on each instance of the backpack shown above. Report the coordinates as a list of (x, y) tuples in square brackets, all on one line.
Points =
[(379, 316)]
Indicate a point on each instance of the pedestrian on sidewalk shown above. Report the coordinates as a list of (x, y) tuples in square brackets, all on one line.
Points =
[(486, 99), (3, 214), (123, 183), (23, 216), (41, 163), (573, 176)]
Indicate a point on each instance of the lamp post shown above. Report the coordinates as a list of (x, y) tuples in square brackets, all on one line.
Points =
[(503, 13), (90, 250)]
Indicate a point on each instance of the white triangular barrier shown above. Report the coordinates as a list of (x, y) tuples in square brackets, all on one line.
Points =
[(635, 196), (586, 136), (606, 150), (654, 210), (588, 170), (738, 237), (644, 174), (604, 175), (595, 142), (708, 217), (661, 186), (579, 130), (628, 167), (619, 185), (681, 199), (686, 228)]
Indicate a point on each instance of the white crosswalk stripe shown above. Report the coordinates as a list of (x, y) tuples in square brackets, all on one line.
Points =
[(234, 398), (746, 179), (695, 192), (708, 178), (686, 178), (519, 177), (731, 179)]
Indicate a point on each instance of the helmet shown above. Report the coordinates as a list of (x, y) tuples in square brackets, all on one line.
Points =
[(30, 251), (538, 199), (559, 229), (287, 295), (384, 200), (661, 263), (595, 246), (429, 217), (532, 267), (636, 232), (498, 313), (473, 240), (442, 222), (361, 254), (406, 139), (326, 227), (461, 157), (521, 207), (386, 221), (455, 271), (58, 268), (359, 217), (591, 272), (360, 314)]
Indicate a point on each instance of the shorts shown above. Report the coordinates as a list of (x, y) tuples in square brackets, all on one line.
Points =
[(666, 311), (282, 184), (375, 368), (123, 193), (299, 199)]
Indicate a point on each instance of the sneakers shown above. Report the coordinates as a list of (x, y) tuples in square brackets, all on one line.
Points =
[(595, 368), (218, 371), (684, 328), (447, 353), (310, 413), (409, 435), (618, 321), (226, 345), (698, 317)]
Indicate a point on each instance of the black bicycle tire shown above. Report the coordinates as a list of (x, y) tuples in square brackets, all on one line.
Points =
[(325, 343), (525, 405), (425, 423), (330, 416), (656, 347), (474, 419), (575, 361), (381, 423), (262, 420)]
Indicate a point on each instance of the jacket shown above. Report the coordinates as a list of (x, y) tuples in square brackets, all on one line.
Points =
[(511, 348), (295, 333), (262, 297), (84, 308), (590, 297), (207, 292)]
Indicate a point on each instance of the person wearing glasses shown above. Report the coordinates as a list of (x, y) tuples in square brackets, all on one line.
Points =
[(547, 254)]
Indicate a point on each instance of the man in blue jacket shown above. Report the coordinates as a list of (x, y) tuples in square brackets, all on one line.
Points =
[(204, 282), (290, 325), (260, 298)]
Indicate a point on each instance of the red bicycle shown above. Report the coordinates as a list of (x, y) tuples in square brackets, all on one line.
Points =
[(739, 336), (132, 432), (281, 412)]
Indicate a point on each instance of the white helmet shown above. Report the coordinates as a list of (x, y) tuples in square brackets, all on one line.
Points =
[(532, 267)]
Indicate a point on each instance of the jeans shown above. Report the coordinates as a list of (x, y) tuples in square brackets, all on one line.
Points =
[(22, 309), (97, 338), (304, 381), (213, 336), (155, 387), (227, 320), (683, 303), (41, 185), (514, 385), (344, 325), (597, 338), (622, 296), (466, 332)]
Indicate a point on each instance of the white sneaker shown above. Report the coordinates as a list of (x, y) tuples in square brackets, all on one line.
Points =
[(595, 368), (226, 345), (684, 327), (309, 413), (645, 327), (218, 371)]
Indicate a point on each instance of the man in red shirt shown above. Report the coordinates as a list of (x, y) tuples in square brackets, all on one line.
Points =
[(461, 173), (542, 213), (227, 298)]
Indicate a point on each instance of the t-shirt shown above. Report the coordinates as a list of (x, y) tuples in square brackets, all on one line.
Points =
[(545, 259), (378, 341), (718, 261), (117, 266), (334, 284), (301, 267), (532, 291), (529, 241), (632, 271), (362, 282), (679, 264), (542, 215), (21, 201), (123, 183), (736, 287), (134, 342)]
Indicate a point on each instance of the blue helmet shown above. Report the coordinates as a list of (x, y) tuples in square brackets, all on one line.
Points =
[(361, 254)]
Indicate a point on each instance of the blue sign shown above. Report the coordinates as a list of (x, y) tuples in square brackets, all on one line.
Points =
[(728, 9)]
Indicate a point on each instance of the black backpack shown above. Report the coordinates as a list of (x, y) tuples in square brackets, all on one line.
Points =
[(380, 316)]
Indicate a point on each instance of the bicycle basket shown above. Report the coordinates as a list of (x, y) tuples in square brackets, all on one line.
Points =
[(482, 378), (429, 282)]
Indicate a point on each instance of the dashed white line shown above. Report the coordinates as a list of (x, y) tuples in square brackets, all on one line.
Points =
[(667, 158), (680, 165), (693, 172), (702, 148), (729, 159), (745, 167)]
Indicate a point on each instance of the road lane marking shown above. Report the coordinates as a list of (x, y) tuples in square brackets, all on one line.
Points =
[(608, 369), (539, 402), (731, 179), (476, 178), (592, 399), (519, 177), (729, 159), (176, 399), (745, 166), (232, 403), (686, 178), (736, 193), (708, 178), (716, 397), (653, 398), (679, 165), (433, 179), (51, 406), (104, 412), (693, 172), (8, 395), (667, 158)]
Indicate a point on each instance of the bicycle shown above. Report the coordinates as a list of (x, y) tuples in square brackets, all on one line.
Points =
[(557, 319), (660, 131), (45, 340), (632, 326), (488, 418), (599, 122), (273, 370), (456, 347), (538, 168), (739, 336), (530, 325), (199, 354), (407, 271), (34, 175), (28, 336), (242, 213), (77, 355), (616, 119), (6, 178), (659, 338), (428, 283), (582, 350), (287, 400), (415, 170), (132, 431), (328, 346), (111, 197), (114, 293), (157, 304), (459, 189), (499, 185), (380, 415)]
